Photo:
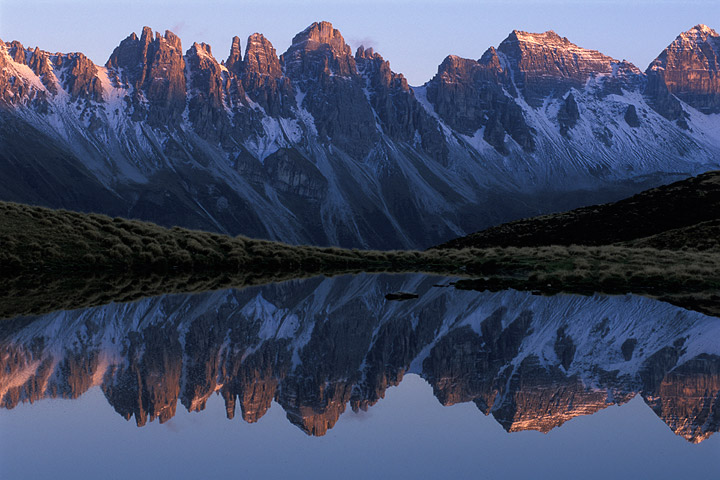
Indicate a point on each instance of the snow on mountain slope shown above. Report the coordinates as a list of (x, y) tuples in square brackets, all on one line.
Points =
[(322, 146)]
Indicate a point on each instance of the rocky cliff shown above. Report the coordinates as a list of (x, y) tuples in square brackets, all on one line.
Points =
[(689, 69), (154, 67), (322, 145)]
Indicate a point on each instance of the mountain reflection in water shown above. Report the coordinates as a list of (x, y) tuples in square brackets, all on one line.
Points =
[(319, 346)]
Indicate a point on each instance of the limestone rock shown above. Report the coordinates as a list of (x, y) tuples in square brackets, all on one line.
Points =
[(400, 114), (81, 80), (469, 94), (320, 63), (206, 107), (262, 77), (319, 50), (546, 64), (291, 172), (688, 68), (156, 69), (631, 116), (568, 115), (234, 60)]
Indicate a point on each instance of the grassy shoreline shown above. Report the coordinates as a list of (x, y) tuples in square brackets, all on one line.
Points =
[(44, 247)]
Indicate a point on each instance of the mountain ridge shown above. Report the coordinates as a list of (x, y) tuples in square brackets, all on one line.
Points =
[(320, 145)]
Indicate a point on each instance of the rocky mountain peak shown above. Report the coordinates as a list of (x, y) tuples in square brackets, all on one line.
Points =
[(491, 58), (260, 75), (399, 113), (547, 39), (700, 37), (699, 33), (154, 66), (319, 50), (201, 50), (39, 63), (454, 67), (261, 57), (19, 89), (234, 60), (470, 94), (146, 36), (81, 78), (171, 38), (17, 52), (206, 109), (366, 53), (688, 68), (546, 64), (132, 51), (378, 72), (322, 33)]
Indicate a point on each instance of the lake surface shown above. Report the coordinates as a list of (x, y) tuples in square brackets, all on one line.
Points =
[(325, 378)]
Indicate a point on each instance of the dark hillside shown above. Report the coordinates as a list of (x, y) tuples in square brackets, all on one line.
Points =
[(671, 207)]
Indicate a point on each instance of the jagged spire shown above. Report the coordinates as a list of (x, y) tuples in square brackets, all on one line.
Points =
[(261, 57), (319, 49), (235, 57)]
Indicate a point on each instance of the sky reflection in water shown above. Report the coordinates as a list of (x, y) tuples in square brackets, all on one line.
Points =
[(529, 362)]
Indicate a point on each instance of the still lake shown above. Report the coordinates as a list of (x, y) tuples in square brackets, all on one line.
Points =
[(326, 378)]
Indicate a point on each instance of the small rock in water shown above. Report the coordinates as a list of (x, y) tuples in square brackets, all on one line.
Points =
[(401, 296)]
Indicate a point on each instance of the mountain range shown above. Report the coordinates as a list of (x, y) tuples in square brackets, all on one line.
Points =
[(319, 346), (325, 146)]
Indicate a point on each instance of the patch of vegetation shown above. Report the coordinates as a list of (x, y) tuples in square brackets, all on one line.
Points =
[(703, 236), (670, 207), (689, 279), (36, 239), (62, 260)]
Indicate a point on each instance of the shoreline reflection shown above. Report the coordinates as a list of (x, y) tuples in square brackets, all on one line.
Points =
[(322, 346)]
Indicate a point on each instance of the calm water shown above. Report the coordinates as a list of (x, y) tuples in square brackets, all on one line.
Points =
[(325, 378)]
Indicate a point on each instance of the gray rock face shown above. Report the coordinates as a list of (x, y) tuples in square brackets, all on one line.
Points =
[(14, 90), (17, 52), (631, 116), (323, 146), (263, 78), (469, 95), (322, 66), (290, 172), (625, 77), (207, 86), (545, 64), (319, 50), (155, 68), (689, 68), (81, 80), (234, 60), (398, 112), (458, 95), (40, 64), (568, 115)]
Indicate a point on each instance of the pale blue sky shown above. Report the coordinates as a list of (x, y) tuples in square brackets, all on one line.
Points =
[(414, 35)]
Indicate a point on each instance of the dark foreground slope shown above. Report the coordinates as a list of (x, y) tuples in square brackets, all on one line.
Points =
[(64, 242), (682, 214), (54, 260)]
